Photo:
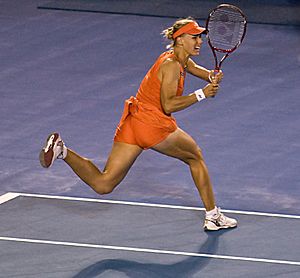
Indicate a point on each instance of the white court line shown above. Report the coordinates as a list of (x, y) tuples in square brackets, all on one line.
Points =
[(8, 196), (154, 205), (147, 250)]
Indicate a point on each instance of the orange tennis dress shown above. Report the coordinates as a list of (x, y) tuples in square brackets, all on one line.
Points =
[(143, 121)]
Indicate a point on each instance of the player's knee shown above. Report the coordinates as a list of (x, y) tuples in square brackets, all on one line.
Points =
[(194, 156), (102, 186), (198, 154), (103, 189)]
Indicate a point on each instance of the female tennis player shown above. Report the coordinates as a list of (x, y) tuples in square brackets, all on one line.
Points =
[(147, 123)]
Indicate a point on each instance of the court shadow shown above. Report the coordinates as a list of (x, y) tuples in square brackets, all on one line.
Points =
[(133, 269)]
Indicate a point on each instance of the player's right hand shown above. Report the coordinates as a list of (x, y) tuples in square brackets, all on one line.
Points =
[(210, 90)]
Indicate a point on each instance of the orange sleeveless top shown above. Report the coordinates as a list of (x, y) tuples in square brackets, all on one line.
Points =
[(149, 91), (146, 106)]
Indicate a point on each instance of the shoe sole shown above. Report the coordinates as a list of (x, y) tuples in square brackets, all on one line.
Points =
[(219, 228), (47, 153)]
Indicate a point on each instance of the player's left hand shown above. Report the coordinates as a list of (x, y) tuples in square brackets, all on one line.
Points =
[(216, 77)]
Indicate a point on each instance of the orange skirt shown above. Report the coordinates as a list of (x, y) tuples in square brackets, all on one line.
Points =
[(143, 125)]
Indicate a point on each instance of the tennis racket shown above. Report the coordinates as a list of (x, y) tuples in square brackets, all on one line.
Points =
[(226, 25)]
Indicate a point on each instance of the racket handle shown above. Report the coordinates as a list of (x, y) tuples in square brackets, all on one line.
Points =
[(216, 71)]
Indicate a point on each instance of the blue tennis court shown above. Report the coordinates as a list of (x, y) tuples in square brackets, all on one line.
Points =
[(69, 69), (77, 237)]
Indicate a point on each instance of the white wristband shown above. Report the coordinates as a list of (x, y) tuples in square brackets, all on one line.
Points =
[(199, 94)]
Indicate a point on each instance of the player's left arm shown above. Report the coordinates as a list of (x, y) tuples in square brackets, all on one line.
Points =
[(203, 73)]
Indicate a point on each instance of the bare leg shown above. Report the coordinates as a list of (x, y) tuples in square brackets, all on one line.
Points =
[(180, 145), (120, 160)]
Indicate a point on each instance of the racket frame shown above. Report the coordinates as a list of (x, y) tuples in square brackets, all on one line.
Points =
[(225, 51)]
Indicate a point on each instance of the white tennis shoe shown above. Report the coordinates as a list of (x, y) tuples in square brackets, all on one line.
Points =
[(54, 149), (218, 221)]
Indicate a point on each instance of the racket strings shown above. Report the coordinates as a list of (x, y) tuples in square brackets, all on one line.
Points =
[(226, 29)]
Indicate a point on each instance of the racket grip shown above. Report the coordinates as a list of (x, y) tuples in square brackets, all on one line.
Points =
[(216, 71)]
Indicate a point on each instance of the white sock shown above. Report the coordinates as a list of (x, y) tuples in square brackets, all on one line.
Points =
[(212, 212)]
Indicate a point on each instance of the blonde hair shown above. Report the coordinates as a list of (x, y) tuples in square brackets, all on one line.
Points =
[(168, 33)]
